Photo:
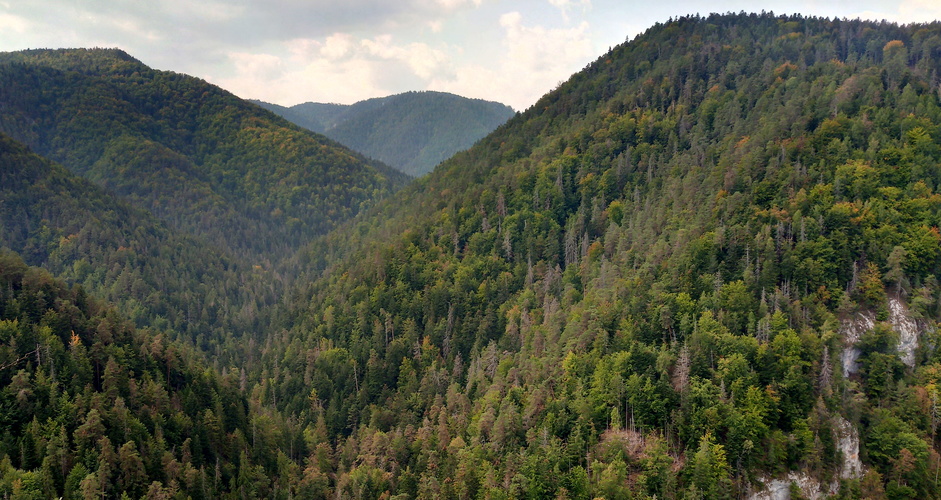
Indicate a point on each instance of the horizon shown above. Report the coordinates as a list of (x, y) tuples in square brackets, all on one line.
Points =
[(507, 51)]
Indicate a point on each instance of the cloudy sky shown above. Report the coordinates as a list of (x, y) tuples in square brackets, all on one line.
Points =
[(292, 51)]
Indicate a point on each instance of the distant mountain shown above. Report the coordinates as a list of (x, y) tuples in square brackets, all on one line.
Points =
[(201, 159), (315, 116), (412, 132)]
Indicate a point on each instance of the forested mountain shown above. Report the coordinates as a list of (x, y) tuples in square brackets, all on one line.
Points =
[(92, 408), (314, 116), (159, 277), (196, 156), (412, 132), (705, 265)]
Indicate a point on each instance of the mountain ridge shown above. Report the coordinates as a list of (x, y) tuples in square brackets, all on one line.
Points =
[(645, 285), (99, 112), (412, 131), (571, 294)]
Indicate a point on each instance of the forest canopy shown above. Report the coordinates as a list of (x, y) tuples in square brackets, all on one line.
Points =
[(412, 132), (705, 266)]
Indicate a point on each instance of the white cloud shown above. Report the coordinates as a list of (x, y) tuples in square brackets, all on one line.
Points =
[(919, 11), (256, 66), (343, 68), (269, 78), (133, 27), (14, 23), (566, 5), (337, 46), (339, 68), (907, 11), (533, 61), (423, 60), (540, 49)]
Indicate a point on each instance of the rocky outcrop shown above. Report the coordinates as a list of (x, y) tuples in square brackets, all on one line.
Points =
[(907, 329), (780, 489), (846, 436), (847, 441), (852, 330)]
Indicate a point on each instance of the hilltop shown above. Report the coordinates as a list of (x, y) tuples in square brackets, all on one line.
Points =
[(196, 156), (412, 132), (645, 282)]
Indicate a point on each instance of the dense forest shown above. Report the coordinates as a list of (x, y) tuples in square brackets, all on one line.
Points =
[(706, 266), (412, 132), (192, 154), (315, 116), (92, 408), (157, 277)]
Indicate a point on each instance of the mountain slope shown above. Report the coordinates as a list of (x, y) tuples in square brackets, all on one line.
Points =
[(412, 132), (203, 160), (643, 284), (92, 408), (159, 277), (703, 267), (314, 116)]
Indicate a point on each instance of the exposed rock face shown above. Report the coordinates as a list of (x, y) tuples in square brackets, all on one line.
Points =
[(845, 433), (780, 489), (851, 330), (907, 328), (848, 443), (776, 489)]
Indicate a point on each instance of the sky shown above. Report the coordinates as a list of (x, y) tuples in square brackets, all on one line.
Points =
[(293, 51)]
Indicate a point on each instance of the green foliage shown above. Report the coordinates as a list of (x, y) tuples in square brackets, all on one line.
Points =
[(125, 255), (662, 249), (643, 285), (66, 400), (710, 469), (412, 132), (196, 156)]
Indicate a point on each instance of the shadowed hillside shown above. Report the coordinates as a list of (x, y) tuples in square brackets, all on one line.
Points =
[(199, 158), (158, 277)]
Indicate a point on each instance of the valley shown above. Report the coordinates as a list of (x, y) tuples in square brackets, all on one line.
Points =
[(705, 266)]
